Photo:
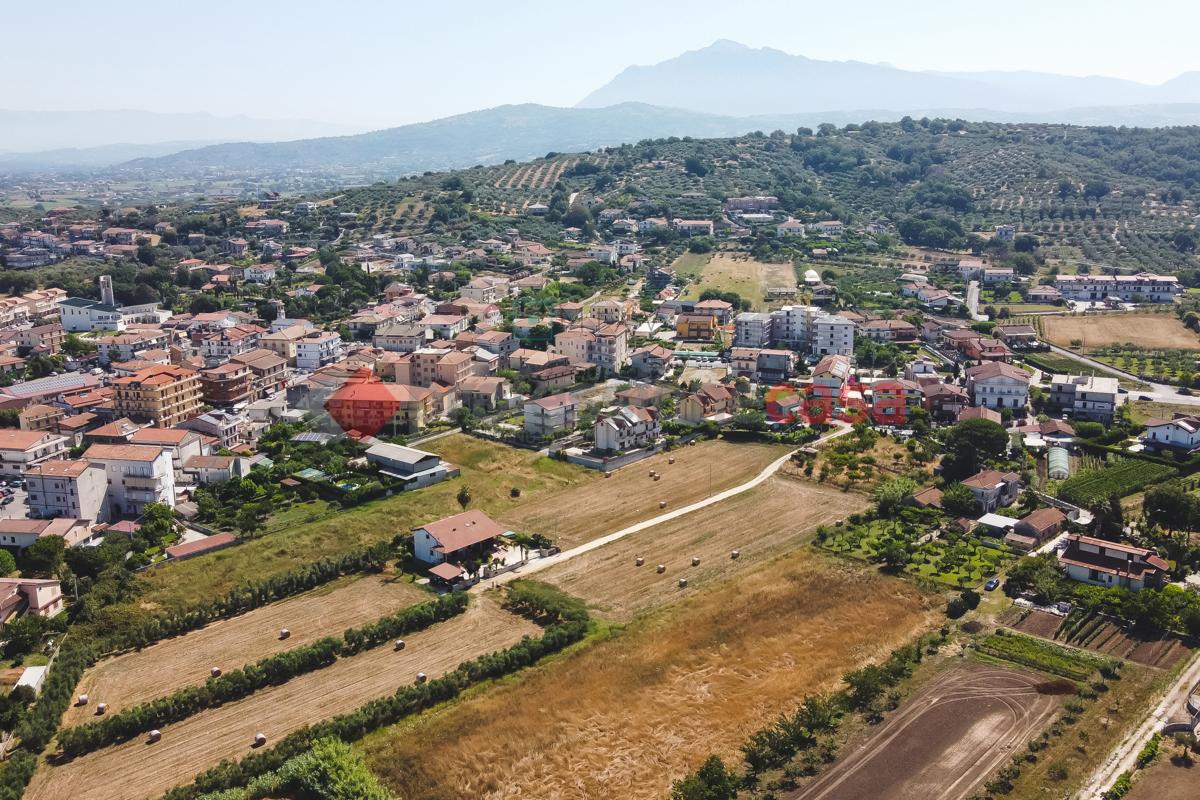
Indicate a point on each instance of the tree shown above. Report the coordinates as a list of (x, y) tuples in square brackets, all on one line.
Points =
[(8, 564), (74, 346), (1037, 574), (24, 634), (694, 166), (959, 501), (713, 781), (890, 495), (44, 556), (464, 496), (1169, 505), (971, 444)]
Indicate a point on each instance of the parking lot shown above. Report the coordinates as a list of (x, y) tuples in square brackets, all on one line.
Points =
[(17, 508)]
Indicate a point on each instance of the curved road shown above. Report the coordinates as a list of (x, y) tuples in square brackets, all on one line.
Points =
[(540, 564)]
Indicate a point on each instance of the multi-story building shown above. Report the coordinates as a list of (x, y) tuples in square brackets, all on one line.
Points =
[(182, 444), (163, 395), (1111, 564), (74, 489), (282, 341), (227, 384), (317, 348), (80, 314), (752, 330), (20, 450), (550, 416), (268, 372), (1143, 287), (1084, 397), (41, 338), (137, 476), (832, 335), (219, 346), (228, 429), (127, 346), (40, 417), (400, 337), (366, 404), (430, 365), (998, 385), (602, 345), (627, 428)]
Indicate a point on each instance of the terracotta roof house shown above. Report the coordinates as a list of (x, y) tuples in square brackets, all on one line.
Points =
[(1104, 563), (462, 536), (1041, 524), (930, 497), (993, 489)]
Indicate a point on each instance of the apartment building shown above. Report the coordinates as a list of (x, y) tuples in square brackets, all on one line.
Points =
[(137, 476), (602, 345), (832, 335), (163, 395), (228, 429), (621, 429), (400, 337), (1084, 397), (1145, 287), (219, 346), (41, 338), (550, 416), (20, 450), (268, 372), (317, 348), (127, 346), (180, 443), (227, 384), (62, 488), (752, 330), (998, 385), (282, 341)]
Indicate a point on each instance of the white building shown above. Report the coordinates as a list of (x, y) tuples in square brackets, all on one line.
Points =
[(318, 348), (1111, 564), (75, 489), (628, 428), (20, 450), (1144, 287), (752, 330), (261, 273), (78, 314), (998, 385), (1180, 433), (137, 476), (1085, 397), (833, 335)]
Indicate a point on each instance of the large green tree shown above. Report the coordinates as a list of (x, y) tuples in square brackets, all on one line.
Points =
[(970, 445)]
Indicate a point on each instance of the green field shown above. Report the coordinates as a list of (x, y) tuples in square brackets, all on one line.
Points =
[(1038, 654), (1120, 478)]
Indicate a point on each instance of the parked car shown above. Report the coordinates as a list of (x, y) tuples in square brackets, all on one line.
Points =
[(7, 500), (992, 584), (1144, 397)]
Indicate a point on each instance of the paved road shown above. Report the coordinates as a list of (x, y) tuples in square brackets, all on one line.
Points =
[(973, 301), (540, 564), (1125, 755)]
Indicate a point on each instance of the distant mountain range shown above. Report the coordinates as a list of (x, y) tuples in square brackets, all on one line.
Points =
[(732, 79), (40, 131), (725, 89)]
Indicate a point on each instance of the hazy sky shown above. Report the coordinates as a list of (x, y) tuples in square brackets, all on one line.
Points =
[(375, 64)]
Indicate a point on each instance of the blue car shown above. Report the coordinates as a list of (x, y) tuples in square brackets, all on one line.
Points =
[(992, 584)]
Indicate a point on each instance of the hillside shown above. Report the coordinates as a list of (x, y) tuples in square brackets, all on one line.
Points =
[(1096, 195), (730, 78)]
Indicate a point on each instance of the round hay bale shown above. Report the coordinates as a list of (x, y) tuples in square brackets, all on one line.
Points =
[(82, 700), (101, 708), (735, 554), (662, 503), (660, 569), (153, 736), (651, 473), (671, 460), (284, 633), (260, 739), (839, 523), (695, 561), (399, 645), (608, 474), (692, 443), (639, 561), (422, 677), (215, 672), (657, 477), (683, 583)]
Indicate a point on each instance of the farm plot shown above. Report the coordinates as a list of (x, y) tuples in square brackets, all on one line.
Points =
[(143, 675), (631, 495), (637, 710), (780, 513), (1151, 330), (1118, 478), (743, 275), (138, 770), (1171, 778), (1103, 635), (944, 740)]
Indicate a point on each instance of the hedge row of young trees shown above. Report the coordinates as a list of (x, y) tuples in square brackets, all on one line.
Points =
[(806, 731), (250, 596), (408, 700), (240, 683)]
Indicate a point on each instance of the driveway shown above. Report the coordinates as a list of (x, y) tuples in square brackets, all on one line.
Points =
[(17, 509)]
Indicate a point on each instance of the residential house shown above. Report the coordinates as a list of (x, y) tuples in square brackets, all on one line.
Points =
[(1143, 287), (268, 372), (1180, 433), (39, 597), (40, 417), (20, 450), (993, 489), (317, 348), (469, 536), (696, 327), (651, 362), (944, 401), (400, 337), (483, 395), (1039, 525), (64, 488), (414, 468), (693, 227), (1110, 564), (228, 430), (711, 402), (21, 533), (893, 399), (889, 330), (833, 335), (998, 385), (618, 430), (182, 444), (137, 476), (219, 346), (1084, 397), (1017, 337), (547, 417), (40, 339)]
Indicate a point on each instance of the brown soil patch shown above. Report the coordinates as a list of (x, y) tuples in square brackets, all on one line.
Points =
[(1100, 330), (1168, 779), (1110, 639), (779, 514), (1039, 623), (943, 741), (136, 770), (629, 715), (597, 507), (143, 675)]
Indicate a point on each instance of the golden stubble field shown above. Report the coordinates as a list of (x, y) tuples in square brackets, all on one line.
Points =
[(1100, 330), (628, 715)]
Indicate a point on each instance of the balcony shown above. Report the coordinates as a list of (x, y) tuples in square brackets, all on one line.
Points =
[(138, 482)]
